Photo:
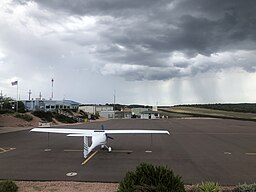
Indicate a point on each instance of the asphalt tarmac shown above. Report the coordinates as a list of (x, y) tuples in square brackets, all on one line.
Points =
[(218, 150)]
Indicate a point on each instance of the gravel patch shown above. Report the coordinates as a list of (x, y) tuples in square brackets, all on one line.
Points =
[(65, 186), (71, 186)]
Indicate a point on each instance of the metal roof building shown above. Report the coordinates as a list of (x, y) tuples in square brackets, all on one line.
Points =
[(49, 105)]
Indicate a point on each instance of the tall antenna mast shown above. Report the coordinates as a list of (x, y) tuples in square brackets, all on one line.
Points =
[(29, 93), (1, 97), (52, 88), (114, 103)]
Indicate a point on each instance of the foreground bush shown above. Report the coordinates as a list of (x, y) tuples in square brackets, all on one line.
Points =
[(151, 179), (247, 187), (8, 186), (26, 117), (208, 187)]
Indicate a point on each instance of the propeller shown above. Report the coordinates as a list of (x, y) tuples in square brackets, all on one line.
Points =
[(110, 137), (103, 128)]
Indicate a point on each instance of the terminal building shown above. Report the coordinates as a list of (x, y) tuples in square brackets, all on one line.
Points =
[(49, 105)]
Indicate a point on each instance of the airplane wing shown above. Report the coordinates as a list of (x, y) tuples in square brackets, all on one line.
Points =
[(137, 131), (83, 132)]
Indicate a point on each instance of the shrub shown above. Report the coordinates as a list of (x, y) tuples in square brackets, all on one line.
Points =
[(45, 116), (247, 187), (64, 119), (8, 186), (26, 117), (152, 179), (6, 111), (208, 187)]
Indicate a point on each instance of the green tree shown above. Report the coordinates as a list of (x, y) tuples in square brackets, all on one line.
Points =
[(7, 103), (21, 107)]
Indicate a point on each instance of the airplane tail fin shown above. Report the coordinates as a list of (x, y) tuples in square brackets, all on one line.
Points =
[(86, 146)]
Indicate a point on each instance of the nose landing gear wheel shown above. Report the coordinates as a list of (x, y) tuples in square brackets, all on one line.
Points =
[(109, 149)]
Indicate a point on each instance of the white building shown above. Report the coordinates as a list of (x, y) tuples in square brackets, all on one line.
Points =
[(93, 109), (107, 114), (137, 111), (49, 105), (150, 115)]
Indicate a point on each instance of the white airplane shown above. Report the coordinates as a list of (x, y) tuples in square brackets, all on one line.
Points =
[(99, 137)]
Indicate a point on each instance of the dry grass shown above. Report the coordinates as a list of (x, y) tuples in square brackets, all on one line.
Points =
[(211, 113)]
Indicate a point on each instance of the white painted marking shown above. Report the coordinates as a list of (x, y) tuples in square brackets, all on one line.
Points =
[(71, 174), (48, 150), (6, 149), (227, 153), (250, 153), (148, 151)]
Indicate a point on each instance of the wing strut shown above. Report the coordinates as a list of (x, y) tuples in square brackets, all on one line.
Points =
[(86, 146)]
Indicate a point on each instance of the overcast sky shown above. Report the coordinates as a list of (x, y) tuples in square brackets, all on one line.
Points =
[(147, 51)]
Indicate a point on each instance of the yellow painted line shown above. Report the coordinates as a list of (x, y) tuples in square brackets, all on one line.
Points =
[(87, 159)]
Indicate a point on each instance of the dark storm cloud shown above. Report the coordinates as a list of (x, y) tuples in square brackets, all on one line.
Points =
[(147, 32), (97, 7)]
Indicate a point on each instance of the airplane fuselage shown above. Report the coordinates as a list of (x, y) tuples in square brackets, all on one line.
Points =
[(98, 138)]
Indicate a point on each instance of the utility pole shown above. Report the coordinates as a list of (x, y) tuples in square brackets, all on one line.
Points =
[(40, 96), (114, 103), (52, 89), (1, 97), (29, 93)]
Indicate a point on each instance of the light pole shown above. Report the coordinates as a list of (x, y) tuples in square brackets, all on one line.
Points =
[(16, 83), (114, 103)]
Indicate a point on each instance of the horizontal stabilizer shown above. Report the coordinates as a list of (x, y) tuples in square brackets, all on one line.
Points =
[(79, 135)]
